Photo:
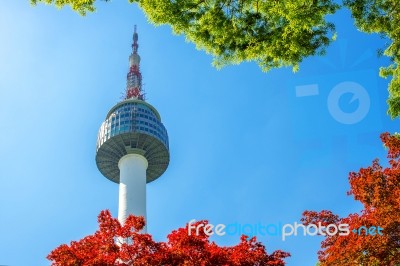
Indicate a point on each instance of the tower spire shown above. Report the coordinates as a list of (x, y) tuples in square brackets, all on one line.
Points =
[(134, 77), (135, 44)]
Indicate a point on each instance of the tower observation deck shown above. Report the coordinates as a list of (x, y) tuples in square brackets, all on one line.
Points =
[(132, 144)]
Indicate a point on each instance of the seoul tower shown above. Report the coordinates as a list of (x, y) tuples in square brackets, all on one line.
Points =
[(132, 143)]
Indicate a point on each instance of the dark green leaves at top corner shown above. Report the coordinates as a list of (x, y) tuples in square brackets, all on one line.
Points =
[(271, 33)]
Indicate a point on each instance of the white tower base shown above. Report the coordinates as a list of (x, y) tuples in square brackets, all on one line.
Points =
[(132, 187)]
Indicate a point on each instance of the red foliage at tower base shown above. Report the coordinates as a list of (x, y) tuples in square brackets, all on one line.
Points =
[(378, 189), (113, 244)]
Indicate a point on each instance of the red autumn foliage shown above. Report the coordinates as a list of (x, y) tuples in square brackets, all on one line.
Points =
[(113, 244), (378, 189)]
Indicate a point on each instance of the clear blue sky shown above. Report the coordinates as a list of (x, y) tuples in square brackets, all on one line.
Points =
[(243, 147)]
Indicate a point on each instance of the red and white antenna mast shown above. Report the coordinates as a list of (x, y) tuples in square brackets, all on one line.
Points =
[(134, 77)]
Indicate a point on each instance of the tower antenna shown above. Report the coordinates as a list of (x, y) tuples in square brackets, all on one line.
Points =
[(134, 76)]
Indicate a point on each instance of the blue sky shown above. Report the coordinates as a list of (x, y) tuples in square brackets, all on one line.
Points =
[(244, 148)]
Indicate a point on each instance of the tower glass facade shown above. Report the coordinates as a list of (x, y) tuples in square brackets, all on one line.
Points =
[(132, 117)]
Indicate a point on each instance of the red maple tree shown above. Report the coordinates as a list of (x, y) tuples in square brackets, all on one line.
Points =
[(114, 244), (378, 189)]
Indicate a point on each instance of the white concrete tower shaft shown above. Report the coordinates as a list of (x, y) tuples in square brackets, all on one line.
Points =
[(132, 187)]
